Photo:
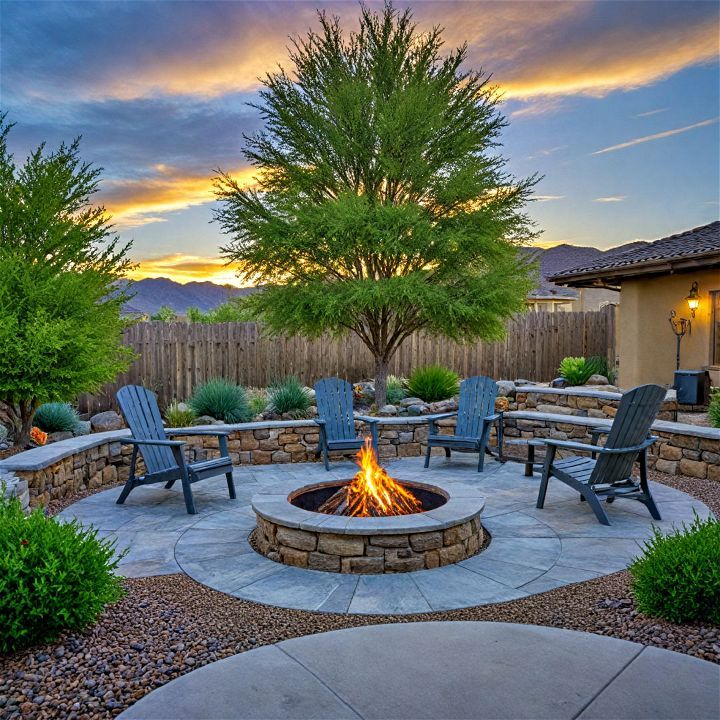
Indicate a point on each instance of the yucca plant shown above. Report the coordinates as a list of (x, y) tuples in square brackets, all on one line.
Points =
[(577, 370), (56, 417), (289, 396), (433, 383), (179, 414), (222, 400)]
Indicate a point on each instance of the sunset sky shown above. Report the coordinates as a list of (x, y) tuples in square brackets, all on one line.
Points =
[(615, 103)]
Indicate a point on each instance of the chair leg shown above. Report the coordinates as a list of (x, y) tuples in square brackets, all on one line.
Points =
[(545, 479), (481, 459), (129, 485), (231, 485), (427, 456), (169, 484), (187, 494), (648, 500), (326, 458), (447, 452), (596, 506)]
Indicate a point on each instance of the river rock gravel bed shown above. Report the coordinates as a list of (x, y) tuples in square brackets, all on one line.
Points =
[(170, 625)]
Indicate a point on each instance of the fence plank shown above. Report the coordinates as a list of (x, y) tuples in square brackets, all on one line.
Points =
[(175, 357)]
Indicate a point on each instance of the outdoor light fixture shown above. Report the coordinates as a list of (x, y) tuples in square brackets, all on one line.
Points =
[(693, 299)]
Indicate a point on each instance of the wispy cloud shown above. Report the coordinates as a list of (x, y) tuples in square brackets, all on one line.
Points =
[(657, 136), (547, 198), (145, 200), (651, 112), (610, 199), (546, 152)]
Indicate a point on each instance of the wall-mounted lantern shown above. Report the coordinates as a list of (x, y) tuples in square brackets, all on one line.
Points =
[(693, 299)]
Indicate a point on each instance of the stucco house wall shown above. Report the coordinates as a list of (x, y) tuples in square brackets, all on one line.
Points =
[(645, 341)]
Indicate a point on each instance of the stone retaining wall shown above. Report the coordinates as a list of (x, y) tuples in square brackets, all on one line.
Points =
[(579, 401), (93, 461), (681, 449)]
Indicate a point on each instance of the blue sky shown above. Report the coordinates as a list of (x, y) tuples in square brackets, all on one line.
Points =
[(158, 90)]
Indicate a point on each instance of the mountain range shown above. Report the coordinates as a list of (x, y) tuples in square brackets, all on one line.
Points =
[(151, 294)]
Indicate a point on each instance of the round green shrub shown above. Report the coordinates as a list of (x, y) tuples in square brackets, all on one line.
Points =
[(56, 417), (54, 576), (678, 575), (179, 414), (222, 400), (433, 383), (395, 389), (289, 396)]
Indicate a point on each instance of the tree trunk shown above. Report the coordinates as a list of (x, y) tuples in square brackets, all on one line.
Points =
[(27, 413), (381, 373)]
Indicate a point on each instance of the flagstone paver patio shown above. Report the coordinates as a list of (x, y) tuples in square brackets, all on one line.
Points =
[(444, 670), (531, 550)]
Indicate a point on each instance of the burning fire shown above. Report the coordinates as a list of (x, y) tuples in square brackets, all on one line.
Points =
[(372, 492)]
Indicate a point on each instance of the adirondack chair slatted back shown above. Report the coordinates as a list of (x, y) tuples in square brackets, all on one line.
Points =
[(477, 401), (335, 405), (636, 413), (140, 409)]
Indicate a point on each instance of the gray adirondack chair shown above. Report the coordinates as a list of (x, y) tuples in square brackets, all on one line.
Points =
[(475, 417), (334, 399), (164, 458), (609, 476)]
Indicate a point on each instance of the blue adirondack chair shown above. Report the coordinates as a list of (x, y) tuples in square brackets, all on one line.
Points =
[(609, 476), (334, 399), (164, 458), (475, 417)]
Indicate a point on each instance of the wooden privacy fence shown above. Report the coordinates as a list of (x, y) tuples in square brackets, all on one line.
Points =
[(174, 357)]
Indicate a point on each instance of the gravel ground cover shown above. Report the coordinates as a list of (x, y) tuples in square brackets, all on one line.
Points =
[(169, 625)]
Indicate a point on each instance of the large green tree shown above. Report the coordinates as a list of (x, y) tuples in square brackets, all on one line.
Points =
[(382, 206), (60, 323)]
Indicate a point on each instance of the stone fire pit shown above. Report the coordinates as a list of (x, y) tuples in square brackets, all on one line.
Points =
[(290, 531)]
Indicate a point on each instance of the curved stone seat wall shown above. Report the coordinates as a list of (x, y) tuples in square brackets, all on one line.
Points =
[(62, 469)]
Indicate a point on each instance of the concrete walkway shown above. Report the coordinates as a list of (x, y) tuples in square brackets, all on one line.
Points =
[(444, 670), (531, 550)]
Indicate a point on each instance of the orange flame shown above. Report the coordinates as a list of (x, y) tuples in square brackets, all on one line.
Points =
[(372, 492)]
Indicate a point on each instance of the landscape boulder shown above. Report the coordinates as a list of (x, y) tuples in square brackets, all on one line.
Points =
[(106, 421), (417, 409), (560, 382), (205, 420), (506, 388), (58, 436), (597, 379), (388, 410)]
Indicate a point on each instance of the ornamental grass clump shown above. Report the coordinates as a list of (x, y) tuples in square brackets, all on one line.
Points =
[(289, 396), (395, 389), (714, 408), (179, 414), (577, 370), (54, 576), (56, 417), (433, 383), (221, 400), (678, 575)]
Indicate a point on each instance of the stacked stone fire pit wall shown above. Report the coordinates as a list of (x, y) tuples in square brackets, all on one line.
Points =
[(347, 553), (93, 461)]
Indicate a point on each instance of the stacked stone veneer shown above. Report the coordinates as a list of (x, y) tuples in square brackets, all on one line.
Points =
[(680, 449), (347, 553)]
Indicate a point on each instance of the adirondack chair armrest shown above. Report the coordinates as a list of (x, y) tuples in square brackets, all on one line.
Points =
[(166, 443), (585, 447), (367, 419), (320, 421), (214, 433), (432, 419), (493, 418)]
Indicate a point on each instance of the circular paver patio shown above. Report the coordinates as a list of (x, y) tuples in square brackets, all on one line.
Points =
[(531, 550), (444, 670)]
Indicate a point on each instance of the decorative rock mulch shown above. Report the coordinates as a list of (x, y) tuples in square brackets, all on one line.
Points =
[(169, 625)]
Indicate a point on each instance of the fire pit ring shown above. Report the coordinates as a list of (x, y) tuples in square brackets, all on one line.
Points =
[(447, 532)]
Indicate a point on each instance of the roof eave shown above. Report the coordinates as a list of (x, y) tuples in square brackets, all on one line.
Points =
[(611, 278)]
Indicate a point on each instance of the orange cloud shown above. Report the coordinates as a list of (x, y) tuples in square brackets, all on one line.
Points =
[(141, 201), (186, 268)]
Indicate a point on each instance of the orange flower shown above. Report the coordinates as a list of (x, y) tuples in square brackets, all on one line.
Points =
[(38, 436)]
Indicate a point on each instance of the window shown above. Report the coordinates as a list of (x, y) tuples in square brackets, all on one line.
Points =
[(715, 328)]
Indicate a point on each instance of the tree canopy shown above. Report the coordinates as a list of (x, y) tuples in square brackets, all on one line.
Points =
[(60, 324), (381, 205)]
